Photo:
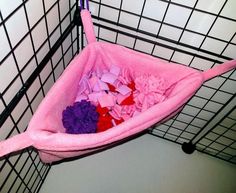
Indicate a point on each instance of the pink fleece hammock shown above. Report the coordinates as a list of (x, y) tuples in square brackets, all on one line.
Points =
[(45, 131)]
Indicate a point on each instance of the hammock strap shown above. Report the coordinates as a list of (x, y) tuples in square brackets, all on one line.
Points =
[(219, 69), (15, 143), (88, 26)]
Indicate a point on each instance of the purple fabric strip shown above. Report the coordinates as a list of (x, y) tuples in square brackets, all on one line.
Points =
[(87, 4), (82, 4)]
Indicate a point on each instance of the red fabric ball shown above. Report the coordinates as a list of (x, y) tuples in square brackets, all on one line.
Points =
[(111, 87), (118, 121), (102, 110), (129, 100), (104, 122), (131, 85)]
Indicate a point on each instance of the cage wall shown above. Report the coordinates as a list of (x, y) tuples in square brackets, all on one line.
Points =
[(196, 33), (29, 30)]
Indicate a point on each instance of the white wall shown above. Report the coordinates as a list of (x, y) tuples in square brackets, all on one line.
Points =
[(144, 165)]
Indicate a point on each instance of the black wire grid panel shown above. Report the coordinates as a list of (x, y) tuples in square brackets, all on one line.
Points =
[(196, 33), (220, 140), (38, 45)]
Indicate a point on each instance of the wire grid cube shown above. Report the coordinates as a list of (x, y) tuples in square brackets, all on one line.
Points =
[(189, 32), (195, 33), (28, 31)]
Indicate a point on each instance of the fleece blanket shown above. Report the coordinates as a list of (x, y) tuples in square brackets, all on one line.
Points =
[(45, 131)]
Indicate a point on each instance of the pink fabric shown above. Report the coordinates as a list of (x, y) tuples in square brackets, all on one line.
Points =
[(150, 90), (124, 90), (88, 26), (45, 130), (218, 70), (106, 100), (109, 78)]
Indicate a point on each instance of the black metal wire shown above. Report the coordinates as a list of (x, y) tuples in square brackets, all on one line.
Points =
[(27, 173), (177, 130), (184, 127)]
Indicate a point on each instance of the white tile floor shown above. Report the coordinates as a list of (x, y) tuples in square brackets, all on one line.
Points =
[(144, 165)]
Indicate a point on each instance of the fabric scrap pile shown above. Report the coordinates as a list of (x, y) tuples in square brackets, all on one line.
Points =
[(108, 97)]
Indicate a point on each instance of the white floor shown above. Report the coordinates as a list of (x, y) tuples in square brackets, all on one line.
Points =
[(145, 165)]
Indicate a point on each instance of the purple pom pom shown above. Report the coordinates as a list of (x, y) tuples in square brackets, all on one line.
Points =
[(80, 118)]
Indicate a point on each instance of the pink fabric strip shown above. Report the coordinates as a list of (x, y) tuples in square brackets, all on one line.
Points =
[(88, 26), (15, 143), (220, 69)]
